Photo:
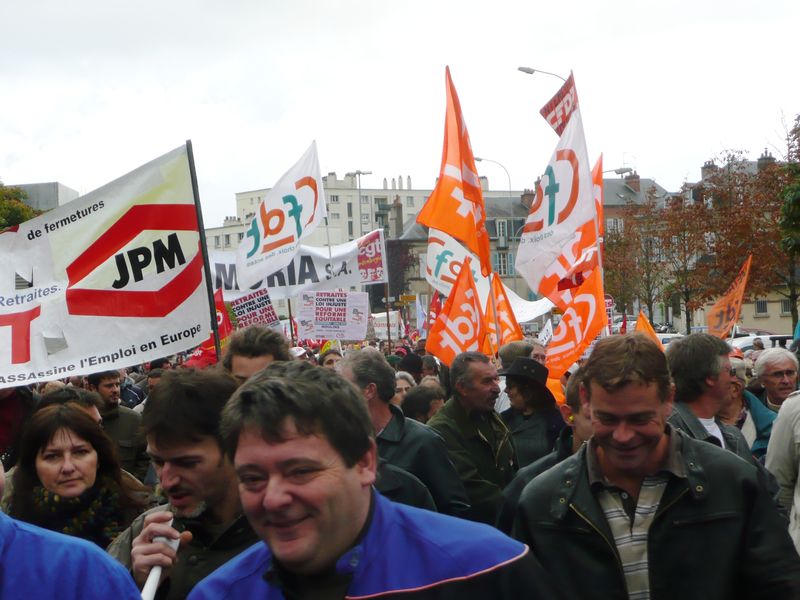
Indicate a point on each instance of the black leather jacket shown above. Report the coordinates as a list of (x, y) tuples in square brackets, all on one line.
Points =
[(716, 535)]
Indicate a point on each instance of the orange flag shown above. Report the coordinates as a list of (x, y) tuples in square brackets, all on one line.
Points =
[(509, 328), (456, 205), (582, 322), (597, 180), (459, 327), (725, 312), (643, 326)]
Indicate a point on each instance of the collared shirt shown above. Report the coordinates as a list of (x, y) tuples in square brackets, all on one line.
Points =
[(629, 518)]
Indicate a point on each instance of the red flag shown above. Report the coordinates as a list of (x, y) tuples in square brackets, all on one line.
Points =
[(434, 309), (208, 349), (456, 205), (459, 327), (624, 327)]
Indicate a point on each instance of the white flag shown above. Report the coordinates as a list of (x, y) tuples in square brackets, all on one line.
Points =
[(564, 202), (115, 278), (546, 334), (290, 211)]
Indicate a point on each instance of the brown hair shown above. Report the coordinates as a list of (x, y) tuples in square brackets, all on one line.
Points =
[(619, 360), (41, 428)]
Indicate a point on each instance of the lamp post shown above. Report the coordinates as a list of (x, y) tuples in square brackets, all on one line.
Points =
[(620, 170), (530, 71), (357, 175), (510, 199)]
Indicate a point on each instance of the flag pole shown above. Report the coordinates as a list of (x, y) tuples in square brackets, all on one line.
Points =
[(204, 251), (388, 325), (291, 320)]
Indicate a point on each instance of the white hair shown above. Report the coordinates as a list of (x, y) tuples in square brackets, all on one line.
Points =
[(771, 357)]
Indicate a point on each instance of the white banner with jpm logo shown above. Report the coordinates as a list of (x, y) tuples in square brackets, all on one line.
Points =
[(112, 279)]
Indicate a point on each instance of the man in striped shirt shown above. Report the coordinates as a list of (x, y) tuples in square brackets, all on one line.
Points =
[(644, 511)]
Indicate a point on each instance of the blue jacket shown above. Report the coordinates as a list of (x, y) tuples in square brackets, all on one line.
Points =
[(417, 552), (37, 563), (762, 419)]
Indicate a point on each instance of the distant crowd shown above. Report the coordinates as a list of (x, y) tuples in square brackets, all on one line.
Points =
[(377, 471)]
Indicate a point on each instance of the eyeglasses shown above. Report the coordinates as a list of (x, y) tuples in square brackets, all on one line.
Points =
[(789, 373)]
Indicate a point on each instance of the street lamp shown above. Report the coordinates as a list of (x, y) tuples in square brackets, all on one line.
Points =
[(620, 170), (530, 71), (357, 175)]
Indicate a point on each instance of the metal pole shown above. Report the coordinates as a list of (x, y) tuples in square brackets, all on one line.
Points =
[(388, 326), (291, 329), (204, 250)]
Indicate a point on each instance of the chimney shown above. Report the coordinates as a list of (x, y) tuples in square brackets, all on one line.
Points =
[(527, 198), (632, 181), (707, 170), (408, 182), (394, 183), (399, 182), (765, 160), (385, 184)]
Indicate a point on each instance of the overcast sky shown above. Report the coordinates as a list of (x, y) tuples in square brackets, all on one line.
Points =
[(91, 89)]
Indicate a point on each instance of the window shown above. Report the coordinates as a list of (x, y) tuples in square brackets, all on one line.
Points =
[(334, 216), (364, 199), (786, 307), (500, 262), (333, 199), (350, 210), (240, 236), (216, 241), (761, 308), (502, 228), (410, 201), (350, 229), (227, 239), (614, 225), (365, 218), (511, 264)]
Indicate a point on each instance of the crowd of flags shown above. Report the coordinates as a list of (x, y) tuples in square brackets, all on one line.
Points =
[(560, 252)]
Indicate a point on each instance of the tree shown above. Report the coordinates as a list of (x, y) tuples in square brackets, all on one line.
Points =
[(789, 222), (13, 210), (684, 239)]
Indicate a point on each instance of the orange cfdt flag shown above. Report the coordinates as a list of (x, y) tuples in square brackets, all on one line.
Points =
[(459, 327), (725, 312), (581, 323), (456, 205), (510, 330)]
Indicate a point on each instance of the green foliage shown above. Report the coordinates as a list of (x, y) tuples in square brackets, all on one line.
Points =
[(13, 210)]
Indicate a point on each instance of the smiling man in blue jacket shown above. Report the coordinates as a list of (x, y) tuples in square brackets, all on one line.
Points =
[(304, 452)]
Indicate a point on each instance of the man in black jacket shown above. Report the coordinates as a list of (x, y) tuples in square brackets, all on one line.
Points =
[(569, 441), (642, 510), (402, 442)]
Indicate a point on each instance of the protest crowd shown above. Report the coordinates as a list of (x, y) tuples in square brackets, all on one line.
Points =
[(281, 473), (463, 460)]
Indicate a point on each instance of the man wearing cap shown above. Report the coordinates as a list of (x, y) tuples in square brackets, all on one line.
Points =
[(477, 440), (644, 511), (532, 418), (508, 353), (746, 411)]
